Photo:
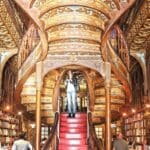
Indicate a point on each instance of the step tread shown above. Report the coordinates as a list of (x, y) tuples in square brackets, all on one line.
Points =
[(68, 147), (77, 115), (73, 130), (73, 141), (73, 135), (73, 120), (73, 125)]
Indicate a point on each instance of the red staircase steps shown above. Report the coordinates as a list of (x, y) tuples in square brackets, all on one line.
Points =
[(73, 132)]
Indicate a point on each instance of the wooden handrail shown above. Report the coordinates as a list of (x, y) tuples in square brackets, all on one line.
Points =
[(29, 41), (120, 70), (123, 57), (121, 45), (93, 142), (52, 135)]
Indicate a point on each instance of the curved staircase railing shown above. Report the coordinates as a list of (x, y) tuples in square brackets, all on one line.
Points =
[(37, 48), (52, 141), (118, 56), (93, 142), (29, 42), (33, 14), (118, 43), (121, 8)]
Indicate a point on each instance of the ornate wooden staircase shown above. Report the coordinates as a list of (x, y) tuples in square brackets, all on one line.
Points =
[(77, 33)]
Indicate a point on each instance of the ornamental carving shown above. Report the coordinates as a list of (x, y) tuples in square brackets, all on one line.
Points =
[(9, 36), (70, 31), (74, 26), (44, 5), (58, 61), (76, 9), (69, 15), (67, 47), (138, 35)]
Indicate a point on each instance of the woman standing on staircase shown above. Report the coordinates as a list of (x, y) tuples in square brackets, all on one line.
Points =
[(71, 94)]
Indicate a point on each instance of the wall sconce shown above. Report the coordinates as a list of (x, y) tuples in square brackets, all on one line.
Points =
[(32, 125), (124, 114), (133, 110), (19, 113), (7, 108), (147, 105)]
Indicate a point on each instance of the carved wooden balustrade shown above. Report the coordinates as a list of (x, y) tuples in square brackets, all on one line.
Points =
[(118, 55), (93, 142), (28, 44), (118, 43), (52, 141), (114, 49)]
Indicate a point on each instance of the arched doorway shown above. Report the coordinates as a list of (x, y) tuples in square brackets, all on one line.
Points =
[(81, 91)]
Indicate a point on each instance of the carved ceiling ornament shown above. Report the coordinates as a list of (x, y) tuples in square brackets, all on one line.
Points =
[(138, 36), (10, 37)]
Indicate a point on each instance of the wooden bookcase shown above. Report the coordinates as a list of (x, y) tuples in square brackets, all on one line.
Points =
[(147, 122), (9, 127), (136, 127)]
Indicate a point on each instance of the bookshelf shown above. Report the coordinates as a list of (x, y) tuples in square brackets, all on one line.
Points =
[(135, 127), (9, 127)]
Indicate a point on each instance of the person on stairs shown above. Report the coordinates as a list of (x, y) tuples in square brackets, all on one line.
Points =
[(71, 94)]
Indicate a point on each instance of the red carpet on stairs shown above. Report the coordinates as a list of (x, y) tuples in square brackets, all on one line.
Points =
[(73, 132)]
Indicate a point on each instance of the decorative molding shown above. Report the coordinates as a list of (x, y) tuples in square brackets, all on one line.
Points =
[(73, 14), (46, 5), (74, 31), (57, 61)]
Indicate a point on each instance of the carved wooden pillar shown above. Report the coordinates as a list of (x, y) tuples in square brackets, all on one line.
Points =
[(148, 72), (108, 106), (0, 81), (89, 78), (38, 104)]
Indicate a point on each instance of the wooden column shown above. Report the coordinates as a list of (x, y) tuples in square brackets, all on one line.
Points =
[(108, 106), (0, 81), (38, 104)]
